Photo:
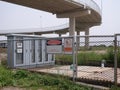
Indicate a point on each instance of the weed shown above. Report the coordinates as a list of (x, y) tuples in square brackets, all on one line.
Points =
[(25, 79)]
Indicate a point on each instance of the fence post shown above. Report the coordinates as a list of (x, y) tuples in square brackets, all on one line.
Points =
[(115, 60), (74, 60), (76, 53)]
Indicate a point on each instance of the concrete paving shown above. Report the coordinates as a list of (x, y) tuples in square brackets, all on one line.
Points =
[(85, 72), (94, 87)]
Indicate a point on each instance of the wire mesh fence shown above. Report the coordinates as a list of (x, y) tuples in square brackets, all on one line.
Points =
[(95, 57), (95, 49)]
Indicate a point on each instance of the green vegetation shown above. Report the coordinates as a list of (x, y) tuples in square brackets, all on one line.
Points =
[(90, 57), (84, 58), (115, 88), (34, 81)]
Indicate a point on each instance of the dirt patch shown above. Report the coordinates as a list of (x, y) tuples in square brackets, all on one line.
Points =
[(15, 88), (3, 56), (12, 88)]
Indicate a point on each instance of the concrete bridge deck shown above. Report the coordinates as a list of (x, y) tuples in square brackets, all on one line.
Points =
[(82, 14)]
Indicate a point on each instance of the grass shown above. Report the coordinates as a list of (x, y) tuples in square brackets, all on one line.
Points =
[(34, 81), (82, 57), (90, 57), (115, 88)]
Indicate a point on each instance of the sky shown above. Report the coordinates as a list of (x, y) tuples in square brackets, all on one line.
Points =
[(18, 17), (110, 18)]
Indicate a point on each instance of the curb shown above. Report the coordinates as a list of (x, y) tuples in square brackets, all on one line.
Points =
[(94, 87)]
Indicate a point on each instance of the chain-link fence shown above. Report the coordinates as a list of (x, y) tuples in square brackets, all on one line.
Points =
[(97, 57), (96, 49)]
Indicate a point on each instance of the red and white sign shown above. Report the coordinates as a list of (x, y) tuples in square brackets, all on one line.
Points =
[(54, 42), (54, 46), (68, 45)]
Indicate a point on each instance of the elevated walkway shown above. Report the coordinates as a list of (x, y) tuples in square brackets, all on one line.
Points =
[(82, 14)]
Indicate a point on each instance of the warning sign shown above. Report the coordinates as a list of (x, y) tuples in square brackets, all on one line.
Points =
[(68, 45), (54, 42), (54, 46)]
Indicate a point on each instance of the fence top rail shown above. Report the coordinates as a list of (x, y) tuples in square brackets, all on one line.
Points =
[(97, 41), (38, 38), (96, 36), (3, 41)]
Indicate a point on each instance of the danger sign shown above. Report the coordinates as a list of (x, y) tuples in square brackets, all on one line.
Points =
[(54, 42), (54, 46)]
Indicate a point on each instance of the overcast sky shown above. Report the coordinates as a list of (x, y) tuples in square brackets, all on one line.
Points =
[(110, 18), (18, 17)]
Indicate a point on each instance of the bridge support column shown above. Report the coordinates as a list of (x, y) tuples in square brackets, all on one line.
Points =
[(72, 26), (87, 39), (72, 33)]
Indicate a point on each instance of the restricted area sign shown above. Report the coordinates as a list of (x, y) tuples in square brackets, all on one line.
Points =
[(68, 43), (54, 45)]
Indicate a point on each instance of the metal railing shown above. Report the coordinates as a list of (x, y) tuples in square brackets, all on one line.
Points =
[(90, 4)]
